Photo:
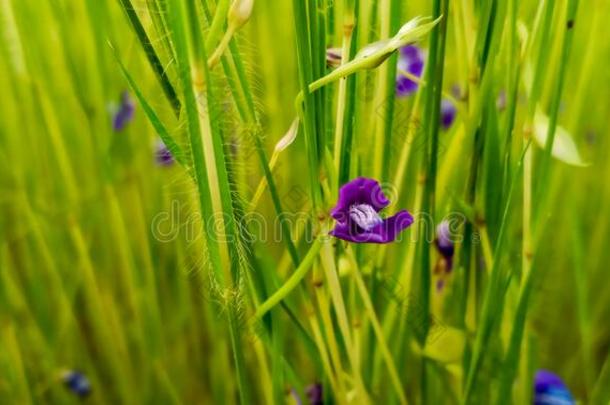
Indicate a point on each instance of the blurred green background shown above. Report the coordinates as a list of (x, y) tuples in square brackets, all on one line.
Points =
[(101, 269)]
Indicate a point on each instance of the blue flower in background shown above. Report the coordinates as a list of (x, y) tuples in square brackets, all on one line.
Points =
[(163, 157), (446, 247), (315, 395), (444, 242), (410, 60), (549, 389), (448, 112), (124, 114), (77, 383)]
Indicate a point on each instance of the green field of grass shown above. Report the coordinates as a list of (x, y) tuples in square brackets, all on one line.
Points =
[(304, 202)]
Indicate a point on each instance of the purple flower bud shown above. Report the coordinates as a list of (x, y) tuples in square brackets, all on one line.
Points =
[(444, 243), (163, 157), (549, 389), (315, 395), (124, 114), (456, 91), (410, 60), (444, 238), (448, 112), (333, 57), (77, 383), (357, 214)]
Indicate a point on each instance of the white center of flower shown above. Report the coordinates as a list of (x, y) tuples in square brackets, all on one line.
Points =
[(365, 216)]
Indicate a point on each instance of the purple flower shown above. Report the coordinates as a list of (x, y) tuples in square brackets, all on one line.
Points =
[(445, 246), (444, 242), (357, 214), (448, 112), (77, 382), (124, 114), (314, 393), (410, 60), (549, 389), (163, 156)]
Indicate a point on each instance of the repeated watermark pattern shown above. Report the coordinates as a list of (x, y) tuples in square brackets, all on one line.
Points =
[(254, 227)]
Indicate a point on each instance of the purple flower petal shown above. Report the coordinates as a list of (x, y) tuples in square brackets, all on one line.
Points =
[(456, 91), (163, 157), (385, 232), (410, 52), (357, 214), (405, 86), (444, 241), (361, 190), (411, 60), (550, 389), (545, 379), (448, 112), (124, 114), (315, 394), (77, 382)]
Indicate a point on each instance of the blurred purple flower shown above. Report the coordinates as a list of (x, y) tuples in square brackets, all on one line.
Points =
[(549, 389), (448, 112), (124, 113), (333, 57), (410, 60), (163, 157), (357, 214), (446, 248), (444, 241), (315, 394), (456, 91), (77, 383)]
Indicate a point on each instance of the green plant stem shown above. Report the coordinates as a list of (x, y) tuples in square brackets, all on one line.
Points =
[(348, 29), (151, 55), (494, 295), (307, 109), (292, 282), (566, 46)]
